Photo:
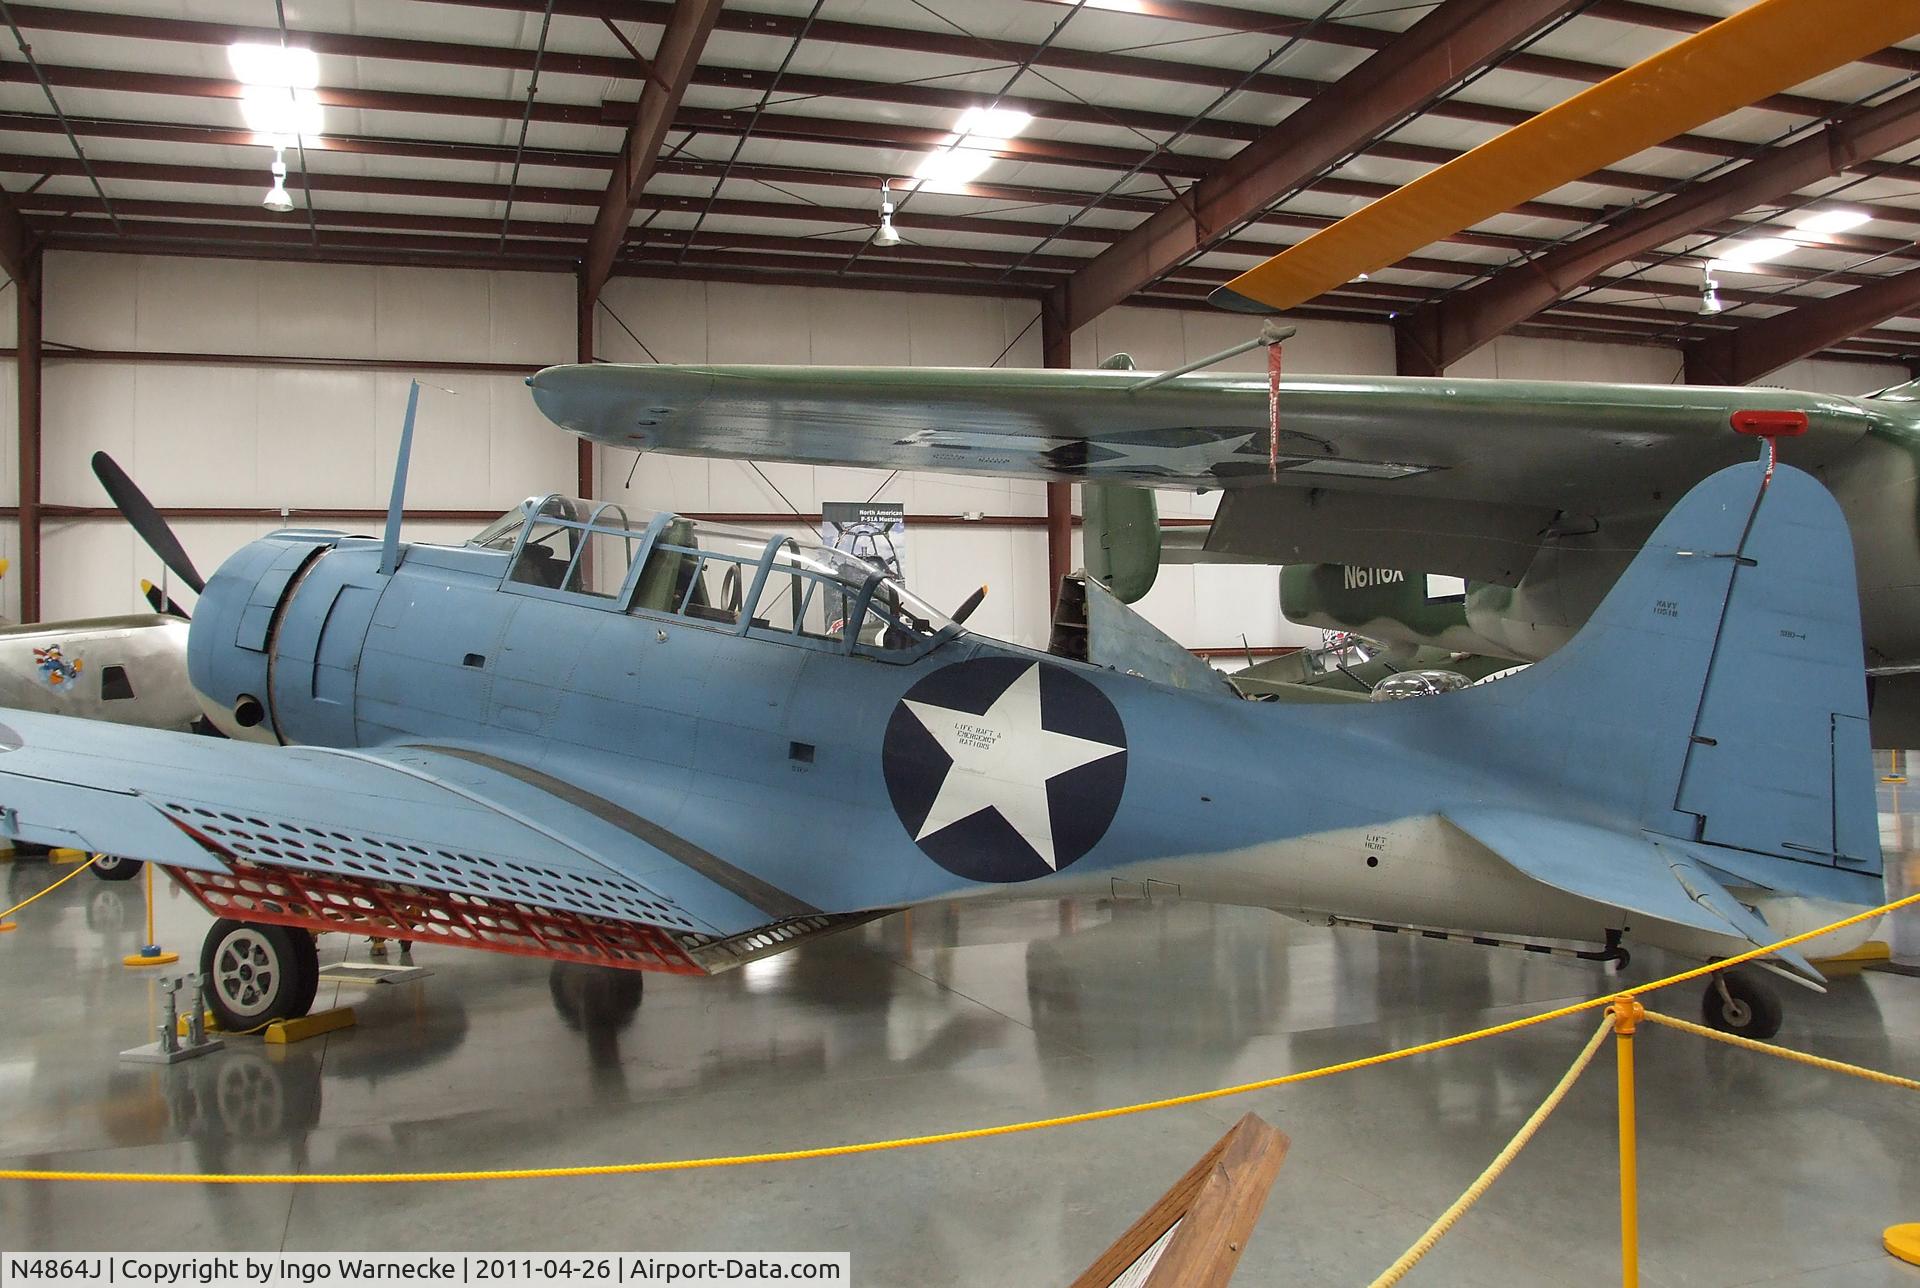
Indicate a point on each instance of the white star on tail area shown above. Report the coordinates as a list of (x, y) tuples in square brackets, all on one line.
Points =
[(1002, 761)]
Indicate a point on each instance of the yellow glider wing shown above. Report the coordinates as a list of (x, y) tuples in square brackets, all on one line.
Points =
[(1759, 51)]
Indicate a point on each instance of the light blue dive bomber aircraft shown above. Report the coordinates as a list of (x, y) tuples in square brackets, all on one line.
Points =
[(649, 743)]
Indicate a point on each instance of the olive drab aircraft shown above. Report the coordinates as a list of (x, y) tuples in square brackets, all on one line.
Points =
[(1538, 493), (597, 736)]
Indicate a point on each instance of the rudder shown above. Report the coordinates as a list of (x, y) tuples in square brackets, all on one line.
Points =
[(1718, 693)]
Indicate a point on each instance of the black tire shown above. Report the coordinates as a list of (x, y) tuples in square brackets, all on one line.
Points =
[(1750, 1008), (111, 867), (257, 974)]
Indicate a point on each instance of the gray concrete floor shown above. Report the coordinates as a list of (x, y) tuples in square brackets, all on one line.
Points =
[(1753, 1171)]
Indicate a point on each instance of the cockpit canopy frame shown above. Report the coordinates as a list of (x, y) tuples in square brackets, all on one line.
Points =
[(718, 578)]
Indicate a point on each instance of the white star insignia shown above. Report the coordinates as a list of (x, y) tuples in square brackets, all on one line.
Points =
[(1195, 460), (1002, 761)]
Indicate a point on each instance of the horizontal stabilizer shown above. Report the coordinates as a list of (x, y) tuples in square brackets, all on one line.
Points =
[(1650, 876), (1090, 623)]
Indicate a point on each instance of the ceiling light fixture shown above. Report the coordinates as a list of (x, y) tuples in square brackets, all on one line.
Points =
[(992, 123), (977, 135), (274, 66), (951, 168), (277, 199), (282, 116), (278, 104), (1826, 223), (888, 235), (1709, 293)]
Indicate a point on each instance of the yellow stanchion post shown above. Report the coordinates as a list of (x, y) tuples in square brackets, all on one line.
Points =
[(150, 954), (1626, 1012)]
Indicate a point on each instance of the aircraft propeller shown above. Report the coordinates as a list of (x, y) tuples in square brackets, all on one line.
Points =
[(161, 602), (146, 520), (967, 606)]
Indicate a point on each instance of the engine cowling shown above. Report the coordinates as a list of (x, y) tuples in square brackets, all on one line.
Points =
[(276, 637)]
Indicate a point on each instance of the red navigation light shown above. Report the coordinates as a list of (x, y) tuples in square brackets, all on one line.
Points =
[(1770, 424)]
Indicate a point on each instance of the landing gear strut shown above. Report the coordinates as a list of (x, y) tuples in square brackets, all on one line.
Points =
[(258, 974), (1738, 1002)]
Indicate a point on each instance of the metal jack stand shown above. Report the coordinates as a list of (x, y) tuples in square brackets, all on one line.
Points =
[(169, 1050)]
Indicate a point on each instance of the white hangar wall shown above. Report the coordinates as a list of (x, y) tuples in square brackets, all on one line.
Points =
[(275, 433)]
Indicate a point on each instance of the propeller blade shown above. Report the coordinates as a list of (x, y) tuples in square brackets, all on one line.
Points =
[(1761, 50), (160, 602), (133, 504), (966, 608)]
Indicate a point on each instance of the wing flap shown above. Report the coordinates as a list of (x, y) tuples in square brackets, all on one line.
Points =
[(98, 820), (421, 817)]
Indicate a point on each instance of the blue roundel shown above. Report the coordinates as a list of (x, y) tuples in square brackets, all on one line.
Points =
[(1005, 768)]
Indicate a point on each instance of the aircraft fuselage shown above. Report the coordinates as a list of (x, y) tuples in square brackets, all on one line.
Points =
[(853, 777)]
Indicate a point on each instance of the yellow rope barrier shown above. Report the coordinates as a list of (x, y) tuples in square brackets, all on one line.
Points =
[(1785, 1053), (50, 889), (1425, 1243), (938, 1138)]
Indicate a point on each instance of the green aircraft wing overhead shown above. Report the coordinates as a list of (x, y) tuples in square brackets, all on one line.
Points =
[(1461, 477)]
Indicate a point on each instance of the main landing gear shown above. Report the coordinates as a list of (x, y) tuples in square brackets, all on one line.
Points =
[(1740, 1003), (112, 867), (258, 974)]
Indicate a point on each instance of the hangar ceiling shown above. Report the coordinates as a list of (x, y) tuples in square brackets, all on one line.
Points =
[(752, 144)]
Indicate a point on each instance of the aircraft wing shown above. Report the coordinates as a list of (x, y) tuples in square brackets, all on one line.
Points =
[(1468, 471), (445, 819)]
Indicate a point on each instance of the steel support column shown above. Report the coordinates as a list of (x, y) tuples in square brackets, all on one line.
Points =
[(583, 352), (1056, 349), (26, 295)]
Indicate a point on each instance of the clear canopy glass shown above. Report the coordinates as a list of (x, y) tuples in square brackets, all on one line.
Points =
[(708, 573)]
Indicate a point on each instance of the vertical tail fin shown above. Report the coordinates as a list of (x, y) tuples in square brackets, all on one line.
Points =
[(1718, 694)]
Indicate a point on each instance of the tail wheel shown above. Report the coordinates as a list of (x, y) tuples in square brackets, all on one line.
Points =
[(1737, 1002), (112, 867), (257, 974)]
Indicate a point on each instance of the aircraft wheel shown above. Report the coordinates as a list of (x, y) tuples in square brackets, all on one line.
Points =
[(257, 974), (1737, 1002), (112, 867)]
